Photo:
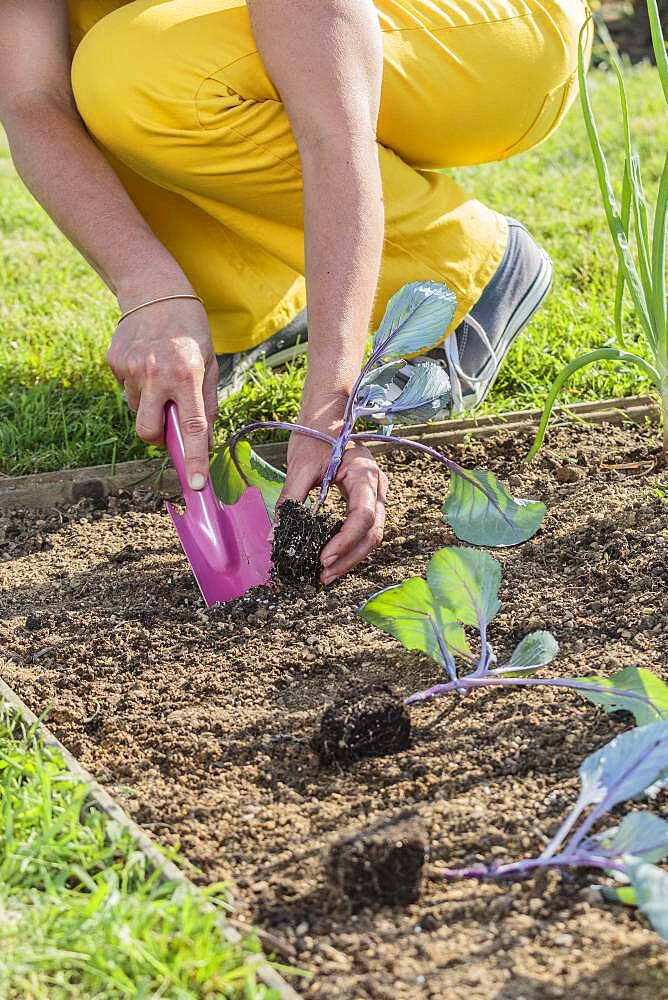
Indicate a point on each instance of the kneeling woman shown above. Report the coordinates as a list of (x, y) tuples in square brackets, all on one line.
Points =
[(215, 160)]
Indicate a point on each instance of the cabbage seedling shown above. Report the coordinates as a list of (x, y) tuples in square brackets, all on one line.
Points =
[(478, 508), (631, 765), (461, 590), (645, 276)]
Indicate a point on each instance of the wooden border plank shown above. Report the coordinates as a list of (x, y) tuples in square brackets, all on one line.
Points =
[(67, 486)]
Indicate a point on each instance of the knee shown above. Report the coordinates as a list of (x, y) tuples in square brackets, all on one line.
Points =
[(101, 89), (121, 86)]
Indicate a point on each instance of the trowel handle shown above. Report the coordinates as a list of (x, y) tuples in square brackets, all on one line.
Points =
[(174, 442)]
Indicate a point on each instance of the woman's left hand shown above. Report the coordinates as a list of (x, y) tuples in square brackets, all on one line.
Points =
[(364, 487)]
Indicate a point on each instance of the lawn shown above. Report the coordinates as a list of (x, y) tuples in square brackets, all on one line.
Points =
[(59, 405), (80, 916)]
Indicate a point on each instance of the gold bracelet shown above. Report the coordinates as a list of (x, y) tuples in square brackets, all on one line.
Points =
[(152, 302)]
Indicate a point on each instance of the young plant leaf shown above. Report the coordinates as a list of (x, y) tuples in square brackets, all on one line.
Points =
[(534, 651), (650, 885), (426, 396), (409, 612), (641, 834), (636, 681), (632, 763), (624, 894), (466, 582), (383, 375), (228, 485), (416, 318), (480, 511)]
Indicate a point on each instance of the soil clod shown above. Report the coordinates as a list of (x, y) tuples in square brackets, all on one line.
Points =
[(382, 865), (370, 722), (299, 538)]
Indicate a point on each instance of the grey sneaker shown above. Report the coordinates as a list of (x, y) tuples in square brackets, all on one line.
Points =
[(473, 355), (281, 348)]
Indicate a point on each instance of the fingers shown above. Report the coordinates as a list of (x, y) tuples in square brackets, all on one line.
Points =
[(194, 431), (150, 423), (132, 394), (366, 488), (347, 561), (210, 393)]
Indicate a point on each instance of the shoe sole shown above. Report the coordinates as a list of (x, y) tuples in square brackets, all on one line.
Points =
[(532, 301)]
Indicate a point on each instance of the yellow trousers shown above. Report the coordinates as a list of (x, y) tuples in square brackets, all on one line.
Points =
[(175, 93)]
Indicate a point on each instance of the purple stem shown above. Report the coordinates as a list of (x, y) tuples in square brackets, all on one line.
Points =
[(476, 682), (415, 446), (350, 416), (575, 860), (275, 425)]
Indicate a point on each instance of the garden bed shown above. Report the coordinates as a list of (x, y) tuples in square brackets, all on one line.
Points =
[(199, 721)]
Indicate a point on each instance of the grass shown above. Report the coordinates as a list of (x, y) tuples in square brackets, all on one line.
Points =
[(79, 915), (59, 405)]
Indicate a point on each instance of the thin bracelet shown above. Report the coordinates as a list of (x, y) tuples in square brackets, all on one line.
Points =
[(152, 302)]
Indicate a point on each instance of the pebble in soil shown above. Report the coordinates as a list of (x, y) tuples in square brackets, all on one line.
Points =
[(299, 538), (370, 722), (380, 866)]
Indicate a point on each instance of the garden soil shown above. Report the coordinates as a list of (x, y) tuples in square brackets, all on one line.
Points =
[(200, 722)]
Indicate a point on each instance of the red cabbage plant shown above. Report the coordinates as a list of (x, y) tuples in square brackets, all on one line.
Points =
[(631, 765), (478, 508), (461, 590)]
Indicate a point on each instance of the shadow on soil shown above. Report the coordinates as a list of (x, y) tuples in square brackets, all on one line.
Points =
[(636, 972)]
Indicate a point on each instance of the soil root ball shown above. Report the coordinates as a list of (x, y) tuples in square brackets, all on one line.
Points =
[(299, 538), (380, 866), (370, 722)]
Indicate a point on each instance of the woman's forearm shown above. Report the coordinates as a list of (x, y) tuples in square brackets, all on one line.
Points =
[(71, 179), (344, 219)]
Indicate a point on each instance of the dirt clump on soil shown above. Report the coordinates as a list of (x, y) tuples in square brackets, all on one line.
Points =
[(368, 722), (380, 866), (299, 538), (200, 722)]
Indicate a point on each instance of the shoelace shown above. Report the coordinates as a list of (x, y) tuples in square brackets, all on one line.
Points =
[(453, 364)]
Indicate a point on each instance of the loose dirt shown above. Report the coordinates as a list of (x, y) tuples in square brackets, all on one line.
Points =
[(200, 722)]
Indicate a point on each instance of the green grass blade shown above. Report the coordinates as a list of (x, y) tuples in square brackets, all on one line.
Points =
[(600, 354), (620, 284), (619, 237), (659, 263), (638, 201), (658, 44)]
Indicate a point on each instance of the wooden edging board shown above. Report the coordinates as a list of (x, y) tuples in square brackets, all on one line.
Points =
[(166, 869), (49, 489)]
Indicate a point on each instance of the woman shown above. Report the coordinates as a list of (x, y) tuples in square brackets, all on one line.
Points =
[(223, 150)]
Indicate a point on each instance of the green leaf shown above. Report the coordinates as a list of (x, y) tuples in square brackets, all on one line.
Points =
[(383, 375), (466, 582), (426, 396), (641, 834), (637, 681), (651, 891), (229, 485), (534, 651), (409, 612), (632, 763), (480, 511), (624, 894), (416, 318)]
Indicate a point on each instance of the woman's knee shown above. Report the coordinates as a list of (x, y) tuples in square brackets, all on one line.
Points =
[(126, 86)]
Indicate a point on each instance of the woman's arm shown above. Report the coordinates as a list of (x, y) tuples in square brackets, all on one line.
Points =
[(160, 353), (326, 61)]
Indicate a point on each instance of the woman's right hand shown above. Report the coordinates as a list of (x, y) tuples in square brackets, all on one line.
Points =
[(161, 353)]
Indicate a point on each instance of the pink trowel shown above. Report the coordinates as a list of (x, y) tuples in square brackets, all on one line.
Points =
[(228, 547)]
